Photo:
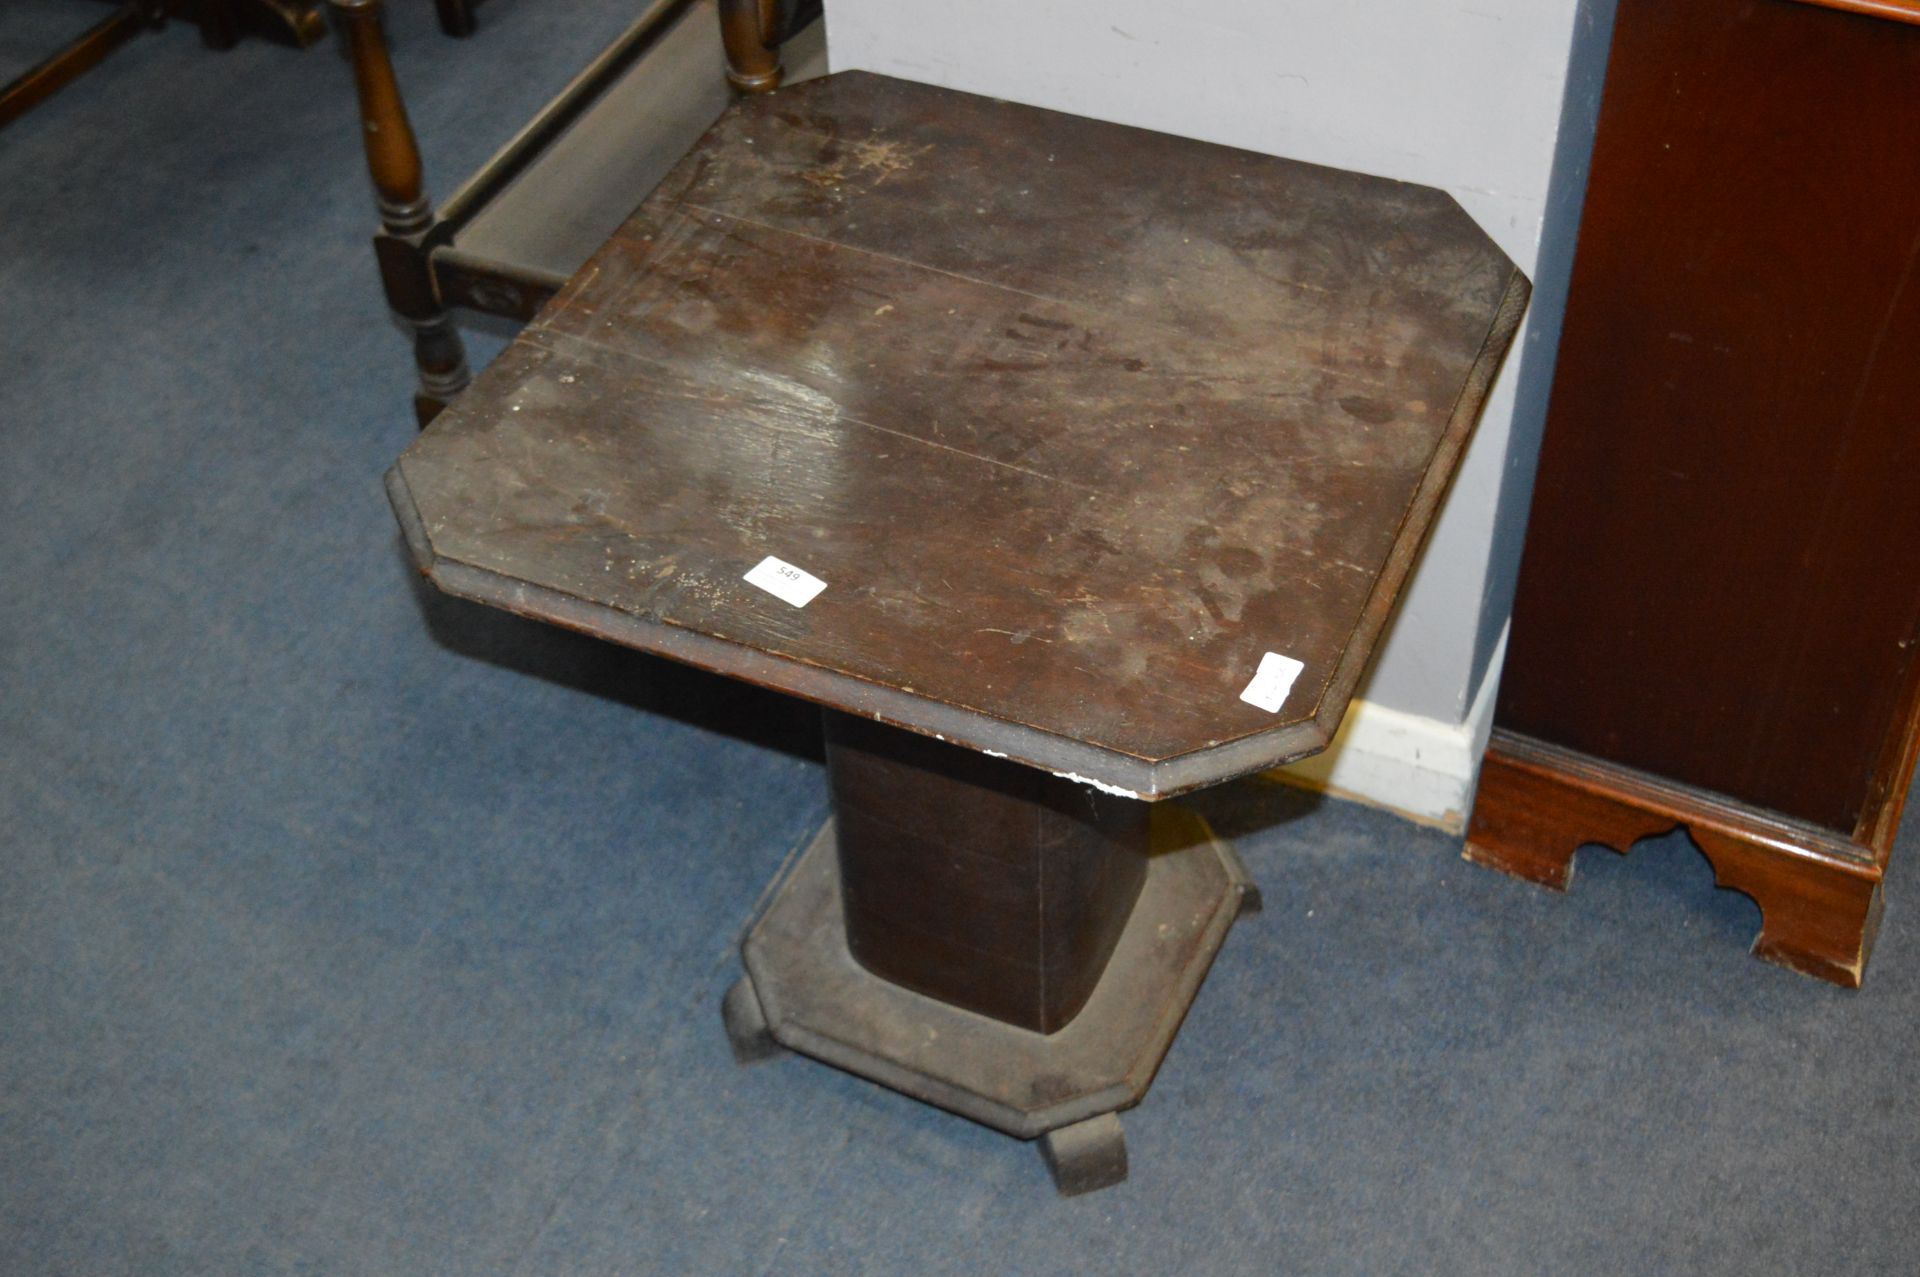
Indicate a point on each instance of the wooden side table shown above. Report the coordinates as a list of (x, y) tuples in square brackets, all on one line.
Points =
[(1069, 466)]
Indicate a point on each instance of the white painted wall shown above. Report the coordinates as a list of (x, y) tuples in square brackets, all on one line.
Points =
[(1465, 95)]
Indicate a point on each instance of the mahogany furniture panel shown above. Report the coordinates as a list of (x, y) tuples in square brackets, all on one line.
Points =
[(1080, 425), (1720, 596)]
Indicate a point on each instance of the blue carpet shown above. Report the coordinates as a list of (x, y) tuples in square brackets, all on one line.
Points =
[(349, 929)]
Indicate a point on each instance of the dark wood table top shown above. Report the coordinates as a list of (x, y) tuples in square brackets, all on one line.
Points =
[(1077, 423)]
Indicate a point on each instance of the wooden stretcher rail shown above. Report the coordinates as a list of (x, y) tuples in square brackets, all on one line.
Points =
[(563, 110)]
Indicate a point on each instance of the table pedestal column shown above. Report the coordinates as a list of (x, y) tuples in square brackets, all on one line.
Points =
[(1014, 947)]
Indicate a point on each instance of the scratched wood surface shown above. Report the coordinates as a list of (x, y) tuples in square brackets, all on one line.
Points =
[(1076, 421)]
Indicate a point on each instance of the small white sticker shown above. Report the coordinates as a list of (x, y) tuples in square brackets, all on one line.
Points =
[(785, 581), (1272, 681)]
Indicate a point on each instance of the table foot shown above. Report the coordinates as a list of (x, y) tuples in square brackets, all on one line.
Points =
[(1086, 1156), (747, 1031), (1251, 901)]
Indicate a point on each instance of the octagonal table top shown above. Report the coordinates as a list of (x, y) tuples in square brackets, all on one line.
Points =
[(1080, 425)]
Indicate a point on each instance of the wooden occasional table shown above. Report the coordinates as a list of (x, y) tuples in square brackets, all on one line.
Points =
[(1112, 451)]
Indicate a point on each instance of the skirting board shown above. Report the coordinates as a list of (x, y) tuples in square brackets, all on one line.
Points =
[(1417, 767)]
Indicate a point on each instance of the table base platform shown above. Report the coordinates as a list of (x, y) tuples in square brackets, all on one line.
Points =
[(804, 990)]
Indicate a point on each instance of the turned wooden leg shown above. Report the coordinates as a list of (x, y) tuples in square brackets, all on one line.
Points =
[(1819, 894), (408, 228), (750, 30), (456, 16)]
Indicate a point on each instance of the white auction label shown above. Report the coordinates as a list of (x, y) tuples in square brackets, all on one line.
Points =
[(1272, 681), (785, 581)]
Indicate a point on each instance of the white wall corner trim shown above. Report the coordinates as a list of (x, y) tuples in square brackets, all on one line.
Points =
[(1420, 768)]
